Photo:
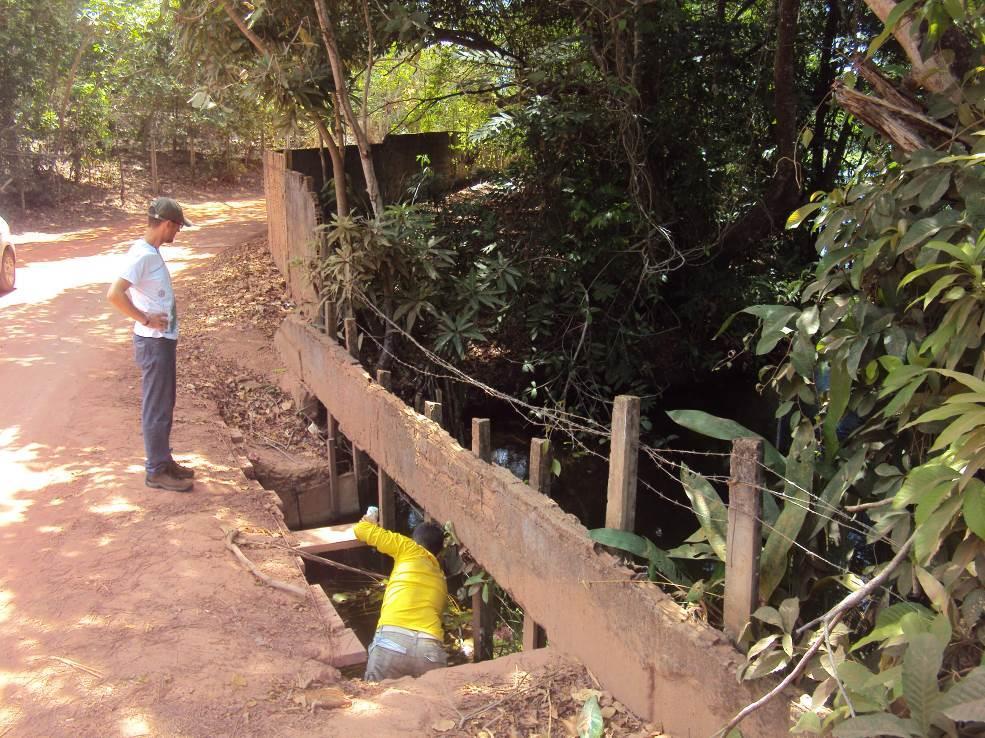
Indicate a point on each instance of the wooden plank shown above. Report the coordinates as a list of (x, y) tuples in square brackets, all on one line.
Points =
[(352, 337), (331, 452), (620, 509), (331, 321), (328, 538), (483, 613), (482, 439), (744, 535)]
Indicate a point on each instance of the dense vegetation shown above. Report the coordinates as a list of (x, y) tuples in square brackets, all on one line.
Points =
[(639, 163), (86, 84)]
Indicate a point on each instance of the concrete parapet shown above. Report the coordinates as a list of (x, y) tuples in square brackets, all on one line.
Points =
[(642, 646)]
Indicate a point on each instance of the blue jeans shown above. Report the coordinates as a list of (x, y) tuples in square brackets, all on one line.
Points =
[(397, 652), (157, 359)]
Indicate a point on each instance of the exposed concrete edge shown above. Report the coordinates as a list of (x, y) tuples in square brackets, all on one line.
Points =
[(634, 638), (347, 650)]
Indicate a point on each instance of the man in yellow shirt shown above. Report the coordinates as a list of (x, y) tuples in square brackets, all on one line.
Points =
[(409, 635)]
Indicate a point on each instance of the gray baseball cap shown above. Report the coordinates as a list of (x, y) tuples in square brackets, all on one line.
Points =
[(164, 208)]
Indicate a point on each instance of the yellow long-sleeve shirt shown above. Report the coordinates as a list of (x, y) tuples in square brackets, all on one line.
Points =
[(417, 591)]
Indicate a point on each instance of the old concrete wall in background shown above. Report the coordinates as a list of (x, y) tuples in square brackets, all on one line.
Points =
[(636, 640), (292, 181), (292, 214)]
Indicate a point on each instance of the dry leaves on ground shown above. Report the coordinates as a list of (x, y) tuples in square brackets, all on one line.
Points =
[(241, 287), (548, 703)]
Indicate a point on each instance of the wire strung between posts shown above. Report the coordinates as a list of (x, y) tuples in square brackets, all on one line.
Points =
[(763, 522), (845, 520), (563, 421), (571, 424), (586, 425)]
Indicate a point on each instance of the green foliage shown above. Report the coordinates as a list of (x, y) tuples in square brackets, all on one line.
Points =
[(725, 430), (880, 373), (87, 80), (658, 561), (894, 318), (398, 258), (590, 722)]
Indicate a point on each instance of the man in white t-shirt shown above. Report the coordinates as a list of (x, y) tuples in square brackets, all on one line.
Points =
[(143, 292)]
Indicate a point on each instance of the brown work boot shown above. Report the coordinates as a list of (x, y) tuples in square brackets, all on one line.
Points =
[(165, 479), (181, 472)]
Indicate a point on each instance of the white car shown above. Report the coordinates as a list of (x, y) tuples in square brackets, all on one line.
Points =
[(8, 259)]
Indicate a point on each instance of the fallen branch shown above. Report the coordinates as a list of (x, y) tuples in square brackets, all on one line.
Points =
[(788, 680), (860, 594), (829, 619), (75, 665), (270, 582), (317, 559)]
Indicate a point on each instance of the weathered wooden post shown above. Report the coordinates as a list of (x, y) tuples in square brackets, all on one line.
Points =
[(351, 337), (624, 452), (331, 320), (432, 411), (331, 442), (483, 613), (541, 460), (360, 462), (744, 535), (386, 487), (540, 479)]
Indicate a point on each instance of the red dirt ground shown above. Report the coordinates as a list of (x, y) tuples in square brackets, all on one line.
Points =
[(121, 612)]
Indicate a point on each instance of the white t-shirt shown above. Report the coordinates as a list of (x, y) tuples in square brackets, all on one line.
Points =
[(151, 290)]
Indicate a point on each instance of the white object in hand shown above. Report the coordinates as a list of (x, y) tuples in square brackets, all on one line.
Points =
[(373, 512)]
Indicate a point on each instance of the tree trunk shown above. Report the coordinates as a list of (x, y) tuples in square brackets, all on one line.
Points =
[(342, 97), (155, 183), (934, 73), (365, 158), (69, 84), (783, 193), (825, 77), (338, 163)]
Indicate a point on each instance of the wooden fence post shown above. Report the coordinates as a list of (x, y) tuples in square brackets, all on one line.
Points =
[(620, 510), (483, 613), (744, 535), (331, 320), (385, 487), (331, 441), (541, 460), (360, 462), (351, 337), (432, 411), (540, 479)]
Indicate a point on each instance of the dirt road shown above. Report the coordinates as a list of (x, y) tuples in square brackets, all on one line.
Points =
[(120, 611)]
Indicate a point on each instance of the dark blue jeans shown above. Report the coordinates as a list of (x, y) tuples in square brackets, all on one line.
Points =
[(157, 359)]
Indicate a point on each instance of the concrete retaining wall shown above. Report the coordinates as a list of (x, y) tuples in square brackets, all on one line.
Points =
[(292, 214), (634, 638)]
